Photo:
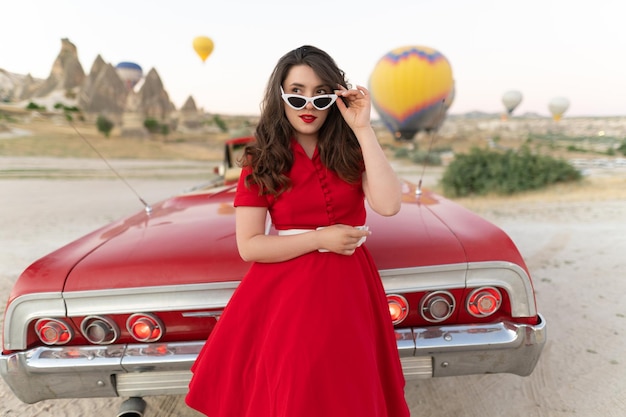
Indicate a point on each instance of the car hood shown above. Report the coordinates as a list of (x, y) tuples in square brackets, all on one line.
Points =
[(191, 239)]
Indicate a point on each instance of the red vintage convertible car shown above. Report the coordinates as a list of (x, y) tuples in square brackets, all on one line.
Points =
[(124, 310)]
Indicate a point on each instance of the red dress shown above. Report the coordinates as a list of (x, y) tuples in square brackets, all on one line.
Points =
[(308, 337)]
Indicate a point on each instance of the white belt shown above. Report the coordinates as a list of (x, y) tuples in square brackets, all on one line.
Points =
[(288, 232)]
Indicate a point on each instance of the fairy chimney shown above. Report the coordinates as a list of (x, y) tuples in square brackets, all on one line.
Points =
[(67, 74)]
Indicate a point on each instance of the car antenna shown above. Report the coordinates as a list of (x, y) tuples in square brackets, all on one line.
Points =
[(146, 206), (418, 190), (432, 133)]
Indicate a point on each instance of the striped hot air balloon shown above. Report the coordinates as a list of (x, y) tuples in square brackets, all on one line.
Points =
[(412, 89)]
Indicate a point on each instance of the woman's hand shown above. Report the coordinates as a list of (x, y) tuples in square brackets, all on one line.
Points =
[(340, 238), (357, 112)]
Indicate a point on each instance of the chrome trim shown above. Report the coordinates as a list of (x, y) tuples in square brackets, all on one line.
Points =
[(64, 327), (110, 325), (424, 278), (501, 347), (163, 368), (405, 308), (449, 300), (154, 299), (25, 308), (144, 384), (509, 276), (153, 319), (214, 314), (419, 367), (477, 291)]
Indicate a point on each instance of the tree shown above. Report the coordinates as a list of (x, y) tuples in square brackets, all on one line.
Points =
[(104, 125), (152, 125), (220, 123)]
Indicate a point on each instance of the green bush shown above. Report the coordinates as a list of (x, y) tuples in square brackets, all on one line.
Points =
[(428, 158), (401, 153), (67, 109), (622, 147), (483, 171), (419, 157), (34, 106), (152, 125), (104, 125)]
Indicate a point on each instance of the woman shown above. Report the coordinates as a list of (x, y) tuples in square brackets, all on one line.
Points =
[(307, 333)]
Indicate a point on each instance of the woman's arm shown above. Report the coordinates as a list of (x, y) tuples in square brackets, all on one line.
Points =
[(255, 245), (380, 183)]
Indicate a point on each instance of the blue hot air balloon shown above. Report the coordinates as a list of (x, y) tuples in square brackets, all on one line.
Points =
[(130, 73)]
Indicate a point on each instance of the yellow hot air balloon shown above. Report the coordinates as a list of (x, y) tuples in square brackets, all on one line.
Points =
[(203, 47), (412, 88)]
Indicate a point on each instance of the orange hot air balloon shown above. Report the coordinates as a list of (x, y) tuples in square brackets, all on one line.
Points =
[(203, 47), (412, 89)]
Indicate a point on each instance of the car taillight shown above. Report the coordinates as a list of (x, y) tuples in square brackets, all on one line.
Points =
[(437, 306), (398, 308), (99, 330), (145, 327), (484, 301), (53, 331)]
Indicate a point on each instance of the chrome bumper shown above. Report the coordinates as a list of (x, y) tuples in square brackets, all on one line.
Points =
[(492, 348), (163, 369)]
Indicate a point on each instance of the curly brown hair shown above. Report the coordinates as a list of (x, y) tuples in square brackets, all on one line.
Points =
[(270, 156)]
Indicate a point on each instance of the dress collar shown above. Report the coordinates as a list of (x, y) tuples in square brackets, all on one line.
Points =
[(297, 147)]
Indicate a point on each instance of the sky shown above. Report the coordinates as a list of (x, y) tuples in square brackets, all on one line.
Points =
[(542, 48)]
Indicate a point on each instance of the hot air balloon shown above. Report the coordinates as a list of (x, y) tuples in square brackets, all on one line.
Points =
[(130, 73), (511, 99), (558, 106), (437, 120), (203, 47), (412, 88)]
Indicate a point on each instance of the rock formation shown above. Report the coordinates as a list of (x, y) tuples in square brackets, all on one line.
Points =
[(104, 93), (96, 67), (27, 88), (133, 121), (188, 116), (154, 102), (101, 92), (67, 74), (15, 87)]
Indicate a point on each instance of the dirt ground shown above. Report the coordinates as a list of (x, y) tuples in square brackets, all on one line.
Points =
[(573, 241)]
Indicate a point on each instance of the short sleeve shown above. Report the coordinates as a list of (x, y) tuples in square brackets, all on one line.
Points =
[(248, 196)]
